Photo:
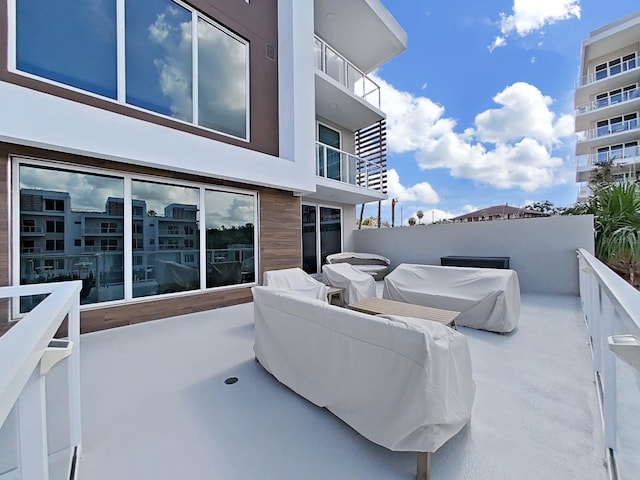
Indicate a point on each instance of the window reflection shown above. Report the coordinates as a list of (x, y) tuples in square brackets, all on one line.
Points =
[(158, 57), (222, 86), (83, 56), (165, 237), (230, 238), (62, 238)]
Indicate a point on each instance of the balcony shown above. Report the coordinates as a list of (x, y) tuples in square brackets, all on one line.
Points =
[(624, 161), (31, 231), (619, 132), (610, 78), (103, 232), (344, 94), (346, 177), (611, 106), (536, 414)]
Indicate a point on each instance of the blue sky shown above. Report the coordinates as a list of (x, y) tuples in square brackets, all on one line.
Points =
[(480, 105)]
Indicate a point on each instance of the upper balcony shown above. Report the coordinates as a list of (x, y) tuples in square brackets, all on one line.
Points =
[(377, 39), (344, 94), (612, 105)]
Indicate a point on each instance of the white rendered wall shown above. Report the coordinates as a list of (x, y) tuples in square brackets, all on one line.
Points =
[(541, 250), (296, 84), (37, 119)]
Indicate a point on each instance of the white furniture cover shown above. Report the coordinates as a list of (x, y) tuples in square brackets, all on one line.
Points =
[(488, 298), (371, 263), (403, 383), (295, 279), (357, 285)]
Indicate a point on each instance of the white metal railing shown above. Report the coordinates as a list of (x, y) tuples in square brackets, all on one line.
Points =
[(617, 156), (597, 104), (625, 66), (611, 306), (103, 231), (31, 229), (612, 128), (347, 167), (330, 62), (26, 352)]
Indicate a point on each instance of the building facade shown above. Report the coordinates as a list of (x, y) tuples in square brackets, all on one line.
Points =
[(498, 212), (607, 103), (166, 153)]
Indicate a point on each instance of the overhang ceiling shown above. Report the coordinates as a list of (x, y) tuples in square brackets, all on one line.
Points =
[(362, 30)]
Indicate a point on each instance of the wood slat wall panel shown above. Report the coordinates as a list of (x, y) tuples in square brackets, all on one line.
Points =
[(280, 227)]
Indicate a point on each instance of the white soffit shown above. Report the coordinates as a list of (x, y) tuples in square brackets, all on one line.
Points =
[(362, 30)]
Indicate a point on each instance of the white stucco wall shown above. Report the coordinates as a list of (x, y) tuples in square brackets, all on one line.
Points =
[(541, 250)]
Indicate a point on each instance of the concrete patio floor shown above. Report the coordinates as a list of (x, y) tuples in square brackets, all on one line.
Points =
[(155, 406)]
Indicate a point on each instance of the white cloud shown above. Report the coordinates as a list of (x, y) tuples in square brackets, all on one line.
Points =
[(532, 15), (421, 192), (510, 147), (532, 59), (497, 43)]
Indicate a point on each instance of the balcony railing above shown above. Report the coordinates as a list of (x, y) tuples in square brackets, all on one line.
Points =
[(610, 129), (330, 62), (624, 155), (621, 97), (346, 167), (628, 65)]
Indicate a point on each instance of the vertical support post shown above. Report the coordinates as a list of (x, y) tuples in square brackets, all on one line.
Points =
[(75, 424), (32, 429), (608, 376), (424, 466)]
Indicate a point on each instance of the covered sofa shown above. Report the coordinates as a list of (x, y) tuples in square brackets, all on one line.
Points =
[(403, 383), (488, 299), (357, 285), (375, 265)]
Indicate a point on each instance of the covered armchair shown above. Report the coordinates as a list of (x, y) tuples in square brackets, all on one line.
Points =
[(297, 280), (357, 285)]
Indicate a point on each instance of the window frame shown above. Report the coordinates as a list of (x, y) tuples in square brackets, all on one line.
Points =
[(127, 248), (121, 93)]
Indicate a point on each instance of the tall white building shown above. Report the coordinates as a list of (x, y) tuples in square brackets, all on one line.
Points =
[(607, 102)]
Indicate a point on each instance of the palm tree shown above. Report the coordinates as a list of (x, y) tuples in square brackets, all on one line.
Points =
[(412, 221), (616, 211), (419, 214)]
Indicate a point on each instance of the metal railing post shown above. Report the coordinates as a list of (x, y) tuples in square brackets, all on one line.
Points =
[(33, 458)]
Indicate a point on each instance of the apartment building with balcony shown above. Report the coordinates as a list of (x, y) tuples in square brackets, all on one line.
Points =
[(607, 102), (224, 139)]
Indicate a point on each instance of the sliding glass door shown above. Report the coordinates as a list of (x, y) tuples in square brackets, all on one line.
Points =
[(321, 235)]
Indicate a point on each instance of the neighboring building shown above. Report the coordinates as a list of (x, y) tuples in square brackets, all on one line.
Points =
[(167, 153), (498, 212), (607, 102)]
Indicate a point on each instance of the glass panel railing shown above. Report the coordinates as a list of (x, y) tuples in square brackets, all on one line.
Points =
[(612, 128), (608, 101), (345, 167), (329, 61), (612, 70)]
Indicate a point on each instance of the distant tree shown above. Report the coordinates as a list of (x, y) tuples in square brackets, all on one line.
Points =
[(151, 213), (369, 222), (419, 214), (543, 207), (412, 221)]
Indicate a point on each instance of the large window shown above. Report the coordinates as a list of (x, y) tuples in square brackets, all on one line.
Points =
[(321, 235), (161, 247), (230, 238), (53, 255), (170, 264), (175, 62)]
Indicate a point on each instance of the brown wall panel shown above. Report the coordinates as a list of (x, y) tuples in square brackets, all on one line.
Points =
[(280, 231), (256, 22), (279, 242)]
